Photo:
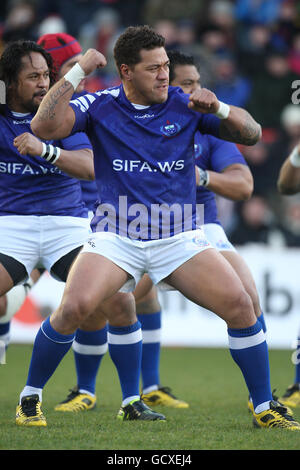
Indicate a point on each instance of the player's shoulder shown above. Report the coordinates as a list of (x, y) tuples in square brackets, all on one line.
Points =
[(176, 94), (88, 99)]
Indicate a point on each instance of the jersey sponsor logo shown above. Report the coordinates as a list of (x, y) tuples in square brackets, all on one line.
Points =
[(169, 130), (23, 121), (144, 116), (140, 166), (14, 168)]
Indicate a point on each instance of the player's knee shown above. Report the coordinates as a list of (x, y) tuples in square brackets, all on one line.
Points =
[(148, 304), (240, 313), (120, 310), (73, 312), (254, 299)]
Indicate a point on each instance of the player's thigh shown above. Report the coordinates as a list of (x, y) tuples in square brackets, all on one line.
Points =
[(6, 282), (143, 288), (146, 298), (92, 279), (210, 281), (241, 268)]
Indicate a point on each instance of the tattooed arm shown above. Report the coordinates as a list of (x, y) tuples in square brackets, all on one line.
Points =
[(239, 127), (55, 118)]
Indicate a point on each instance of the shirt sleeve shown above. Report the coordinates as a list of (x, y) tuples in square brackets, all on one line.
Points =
[(76, 141), (81, 107), (223, 154), (209, 124)]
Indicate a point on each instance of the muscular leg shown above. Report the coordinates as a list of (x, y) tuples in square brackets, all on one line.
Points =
[(83, 297), (149, 315), (245, 275)]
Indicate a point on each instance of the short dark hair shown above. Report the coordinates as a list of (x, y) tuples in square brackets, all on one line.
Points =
[(132, 41), (11, 59), (178, 58)]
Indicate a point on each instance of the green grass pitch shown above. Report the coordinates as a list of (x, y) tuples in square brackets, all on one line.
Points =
[(208, 379)]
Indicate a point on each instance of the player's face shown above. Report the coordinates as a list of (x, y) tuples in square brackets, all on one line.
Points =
[(150, 78), (67, 66), (186, 77), (32, 84)]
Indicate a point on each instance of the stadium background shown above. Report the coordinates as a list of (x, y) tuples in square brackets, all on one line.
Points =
[(249, 55)]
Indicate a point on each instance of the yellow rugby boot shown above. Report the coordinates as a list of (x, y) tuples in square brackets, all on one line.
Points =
[(77, 401), (29, 413), (163, 396), (275, 398), (275, 417), (291, 396)]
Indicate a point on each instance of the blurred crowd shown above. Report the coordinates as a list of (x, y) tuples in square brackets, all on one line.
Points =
[(248, 52)]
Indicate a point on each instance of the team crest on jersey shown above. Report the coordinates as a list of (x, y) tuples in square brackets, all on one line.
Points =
[(169, 130)]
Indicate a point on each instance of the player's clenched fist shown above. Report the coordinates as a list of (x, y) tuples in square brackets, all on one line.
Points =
[(91, 61), (204, 101), (28, 144)]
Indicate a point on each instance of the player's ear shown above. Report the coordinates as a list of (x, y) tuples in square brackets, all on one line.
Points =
[(126, 72)]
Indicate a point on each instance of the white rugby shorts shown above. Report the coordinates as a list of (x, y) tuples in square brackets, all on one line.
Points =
[(40, 241), (158, 258), (216, 235)]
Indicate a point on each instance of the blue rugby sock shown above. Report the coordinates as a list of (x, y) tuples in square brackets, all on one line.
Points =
[(89, 348), (125, 348), (151, 332), (48, 350), (261, 319), (249, 350), (296, 356)]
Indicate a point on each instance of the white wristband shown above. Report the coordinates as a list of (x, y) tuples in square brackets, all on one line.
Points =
[(44, 149), (75, 75), (295, 158), (50, 153), (223, 111)]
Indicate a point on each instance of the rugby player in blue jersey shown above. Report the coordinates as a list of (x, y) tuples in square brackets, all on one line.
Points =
[(142, 134), (91, 342), (221, 169)]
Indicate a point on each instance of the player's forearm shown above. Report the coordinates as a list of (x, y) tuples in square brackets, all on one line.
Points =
[(50, 120), (77, 163), (234, 185), (240, 127), (289, 176)]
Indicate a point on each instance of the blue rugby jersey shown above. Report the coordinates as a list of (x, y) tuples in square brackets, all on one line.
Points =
[(31, 185), (213, 154), (89, 193), (144, 161)]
